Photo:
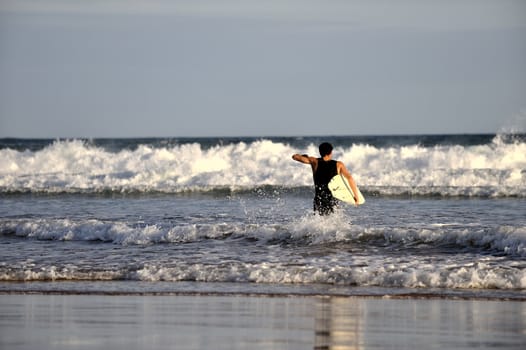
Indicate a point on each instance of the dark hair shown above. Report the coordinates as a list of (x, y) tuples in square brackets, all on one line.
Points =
[(325, 149)]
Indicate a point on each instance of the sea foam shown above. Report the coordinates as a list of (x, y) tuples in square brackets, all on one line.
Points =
[(75, 166)]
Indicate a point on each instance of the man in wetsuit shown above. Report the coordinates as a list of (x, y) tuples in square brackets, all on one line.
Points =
[(323, 170)]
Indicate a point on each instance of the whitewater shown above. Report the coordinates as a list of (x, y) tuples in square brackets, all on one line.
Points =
[(494, 169), (445, 215)]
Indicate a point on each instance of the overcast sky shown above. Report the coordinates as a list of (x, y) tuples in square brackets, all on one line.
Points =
[(128, 68)]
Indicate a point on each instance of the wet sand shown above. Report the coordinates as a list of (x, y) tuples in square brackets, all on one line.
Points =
[(50, 321)]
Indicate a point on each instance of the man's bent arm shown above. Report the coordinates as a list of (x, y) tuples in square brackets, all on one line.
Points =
[(343, 170)]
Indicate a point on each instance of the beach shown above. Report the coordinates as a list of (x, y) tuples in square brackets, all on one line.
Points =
[(58, 321), (183, 174)]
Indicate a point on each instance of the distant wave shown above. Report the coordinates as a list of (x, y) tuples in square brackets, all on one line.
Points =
[(494, 169)]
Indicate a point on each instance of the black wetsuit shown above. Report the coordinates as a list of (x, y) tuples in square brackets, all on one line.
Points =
[(324, 202)]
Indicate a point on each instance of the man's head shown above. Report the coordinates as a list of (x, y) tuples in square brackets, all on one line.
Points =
[(325, 149)]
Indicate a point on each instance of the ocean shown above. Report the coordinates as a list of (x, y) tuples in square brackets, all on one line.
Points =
[(445, 216)]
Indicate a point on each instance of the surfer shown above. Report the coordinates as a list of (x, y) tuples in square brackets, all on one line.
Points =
[(323, 170)]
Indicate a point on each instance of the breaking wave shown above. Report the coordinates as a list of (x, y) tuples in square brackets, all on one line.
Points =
[(310, 230), (495, 169)]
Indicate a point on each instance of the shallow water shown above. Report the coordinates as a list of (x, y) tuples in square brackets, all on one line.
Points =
[(405, 243)]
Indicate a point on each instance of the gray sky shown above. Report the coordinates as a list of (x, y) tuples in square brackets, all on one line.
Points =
[(126, 68)]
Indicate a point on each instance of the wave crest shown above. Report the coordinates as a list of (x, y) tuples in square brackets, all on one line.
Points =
[(75, 166)]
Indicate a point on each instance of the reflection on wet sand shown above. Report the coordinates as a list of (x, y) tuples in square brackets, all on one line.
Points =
[(229, 322), (338, 324), (355, 323)]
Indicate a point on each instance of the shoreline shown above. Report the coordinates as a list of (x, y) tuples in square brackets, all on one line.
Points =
[(134, 288), (415, 296)]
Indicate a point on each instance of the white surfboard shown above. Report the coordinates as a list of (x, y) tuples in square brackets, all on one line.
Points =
[(341, 190)]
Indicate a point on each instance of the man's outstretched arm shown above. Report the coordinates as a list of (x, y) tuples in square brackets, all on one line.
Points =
[(302, 158)]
